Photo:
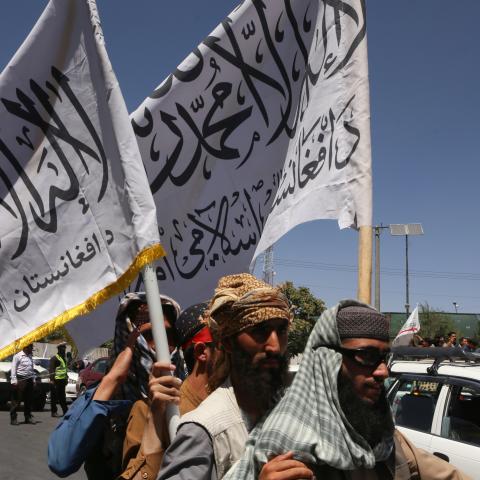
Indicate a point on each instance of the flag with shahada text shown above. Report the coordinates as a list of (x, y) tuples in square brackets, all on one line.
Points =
[(264, 126), (77, 219)]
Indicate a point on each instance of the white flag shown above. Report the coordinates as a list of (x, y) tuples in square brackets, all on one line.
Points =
[(264, 126), (408, 330), (77, 219)]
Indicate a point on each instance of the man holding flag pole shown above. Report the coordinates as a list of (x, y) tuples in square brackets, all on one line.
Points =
[(77, 219)]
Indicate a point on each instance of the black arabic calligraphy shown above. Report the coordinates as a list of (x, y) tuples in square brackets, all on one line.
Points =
[(71, 260)]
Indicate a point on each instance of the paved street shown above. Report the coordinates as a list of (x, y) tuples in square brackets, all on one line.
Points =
[(23, 448)]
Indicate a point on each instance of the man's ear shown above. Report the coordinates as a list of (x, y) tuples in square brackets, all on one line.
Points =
[(199, 351)]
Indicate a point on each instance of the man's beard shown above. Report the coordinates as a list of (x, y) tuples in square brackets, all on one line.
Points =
[(373, 422), (268, 384)]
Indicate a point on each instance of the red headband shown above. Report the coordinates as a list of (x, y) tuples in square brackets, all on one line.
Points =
[(203, 336)]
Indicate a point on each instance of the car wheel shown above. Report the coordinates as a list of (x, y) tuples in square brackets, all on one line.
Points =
[(82, 390)]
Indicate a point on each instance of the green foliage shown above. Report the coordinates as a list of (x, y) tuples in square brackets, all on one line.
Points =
[(307, 306), (108, 344), (307, 309), (434, 322), (298, 336), (58, 334)]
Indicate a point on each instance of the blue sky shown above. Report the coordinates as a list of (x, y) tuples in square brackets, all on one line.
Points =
[(425, 105)]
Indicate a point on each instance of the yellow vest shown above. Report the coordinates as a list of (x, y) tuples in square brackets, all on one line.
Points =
[(61, 370)]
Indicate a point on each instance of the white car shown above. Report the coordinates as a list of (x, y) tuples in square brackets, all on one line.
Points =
[(40, 389), (436, 404), (71, 388)]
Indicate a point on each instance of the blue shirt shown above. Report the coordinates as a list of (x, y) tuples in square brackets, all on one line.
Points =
[(79, 432)]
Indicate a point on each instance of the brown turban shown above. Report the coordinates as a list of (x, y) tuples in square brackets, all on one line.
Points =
[(241, 301)]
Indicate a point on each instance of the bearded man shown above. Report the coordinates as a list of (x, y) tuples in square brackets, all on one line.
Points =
[(249, 320), (334, 421)]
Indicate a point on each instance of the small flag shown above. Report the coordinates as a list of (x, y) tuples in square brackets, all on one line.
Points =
[(408, 330)]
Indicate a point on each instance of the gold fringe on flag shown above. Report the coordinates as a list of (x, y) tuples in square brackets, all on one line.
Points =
[(146, 256)]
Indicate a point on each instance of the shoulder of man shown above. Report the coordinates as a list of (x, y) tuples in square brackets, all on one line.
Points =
[(218, 412)]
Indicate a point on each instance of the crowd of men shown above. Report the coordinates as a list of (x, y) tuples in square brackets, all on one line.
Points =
[(240, 416), (467, 344)]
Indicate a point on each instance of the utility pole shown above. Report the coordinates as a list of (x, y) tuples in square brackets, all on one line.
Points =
[(406, 230), (407, 296), (378, 230), (268, 267)]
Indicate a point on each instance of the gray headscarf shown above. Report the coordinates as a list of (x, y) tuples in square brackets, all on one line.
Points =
[(136, 385), (308, 420)]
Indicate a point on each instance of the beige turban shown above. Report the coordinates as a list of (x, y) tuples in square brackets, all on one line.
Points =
[(241, 301)]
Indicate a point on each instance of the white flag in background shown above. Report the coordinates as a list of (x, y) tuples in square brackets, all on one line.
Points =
[(408, 330), (264, 126), (77, 219)]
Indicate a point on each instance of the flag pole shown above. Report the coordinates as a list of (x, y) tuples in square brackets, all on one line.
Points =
[(364, 292), (159, 336)]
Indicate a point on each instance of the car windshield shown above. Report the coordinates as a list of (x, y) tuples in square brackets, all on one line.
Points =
[(42, 362)]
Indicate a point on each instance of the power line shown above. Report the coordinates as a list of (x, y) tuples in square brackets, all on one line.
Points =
[(386, 271), (417, 294)]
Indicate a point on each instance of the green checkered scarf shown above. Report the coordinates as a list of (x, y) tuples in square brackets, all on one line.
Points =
[(308, 420)]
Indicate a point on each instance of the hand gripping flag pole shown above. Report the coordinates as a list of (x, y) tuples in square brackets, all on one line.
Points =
[(160, 337)]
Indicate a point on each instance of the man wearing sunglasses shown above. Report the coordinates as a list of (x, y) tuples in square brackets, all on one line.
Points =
[(334, 421)]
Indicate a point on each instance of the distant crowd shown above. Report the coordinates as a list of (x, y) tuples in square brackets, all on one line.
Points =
[(467, 344)]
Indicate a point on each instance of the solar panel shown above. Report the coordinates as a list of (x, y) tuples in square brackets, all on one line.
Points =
[(406, 229), (398, 229), (414, 229)]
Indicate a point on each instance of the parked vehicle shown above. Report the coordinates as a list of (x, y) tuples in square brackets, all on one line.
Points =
[(41, 386), (93, 373), (436, 403), (71, 388)]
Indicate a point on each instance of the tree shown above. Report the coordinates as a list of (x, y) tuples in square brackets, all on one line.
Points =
[(58, 334), (108, 344), (307, 308), (434, 322)]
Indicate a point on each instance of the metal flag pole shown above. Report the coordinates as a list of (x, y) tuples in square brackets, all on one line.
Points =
[(160, 337)]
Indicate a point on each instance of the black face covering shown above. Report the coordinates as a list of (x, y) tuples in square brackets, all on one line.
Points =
[(268, 384), (373, 422)]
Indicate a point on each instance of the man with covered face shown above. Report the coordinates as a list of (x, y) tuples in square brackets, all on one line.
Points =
[(103, 428), (249, 321), (335, 422)]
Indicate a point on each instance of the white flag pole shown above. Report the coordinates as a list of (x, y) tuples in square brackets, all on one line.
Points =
[(159, 336)]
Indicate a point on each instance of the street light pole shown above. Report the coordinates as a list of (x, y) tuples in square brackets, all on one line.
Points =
[(378, 231), (406, 230), (455, 304)]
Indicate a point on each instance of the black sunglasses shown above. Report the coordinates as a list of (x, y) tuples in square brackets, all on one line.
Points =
[(366, 357)]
